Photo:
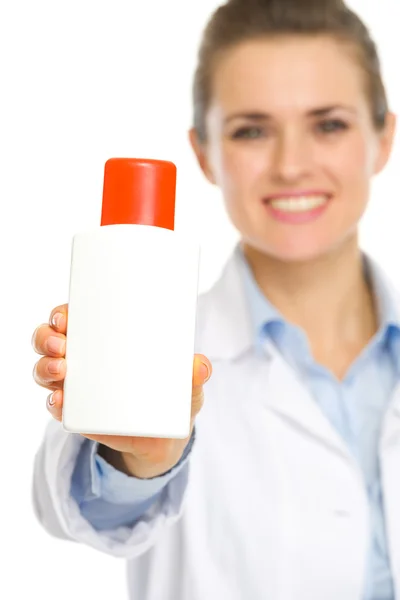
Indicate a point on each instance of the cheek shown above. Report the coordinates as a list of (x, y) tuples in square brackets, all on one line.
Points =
[(352, 164), (240, 171), (350, 168)]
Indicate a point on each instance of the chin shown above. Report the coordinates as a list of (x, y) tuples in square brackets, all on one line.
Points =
[(296, 253)]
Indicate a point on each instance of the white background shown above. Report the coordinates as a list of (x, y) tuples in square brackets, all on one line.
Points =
[(80, 82)]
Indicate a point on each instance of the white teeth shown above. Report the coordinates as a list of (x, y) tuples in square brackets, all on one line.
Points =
[(300, 204)]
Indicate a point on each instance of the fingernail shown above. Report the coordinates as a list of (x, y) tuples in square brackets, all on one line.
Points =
[(56, 320), (54, 366), (205, 371), (33, 338), (50, 399), (56, 345)]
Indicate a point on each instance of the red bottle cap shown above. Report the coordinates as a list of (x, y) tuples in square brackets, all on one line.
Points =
[(139, 192)]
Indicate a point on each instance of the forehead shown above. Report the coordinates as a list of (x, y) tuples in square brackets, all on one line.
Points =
[(287, 73)]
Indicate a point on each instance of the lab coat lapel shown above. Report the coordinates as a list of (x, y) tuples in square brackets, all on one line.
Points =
[(223, 330), (390, 477), (225, 333), (389, 450), (288, 396)]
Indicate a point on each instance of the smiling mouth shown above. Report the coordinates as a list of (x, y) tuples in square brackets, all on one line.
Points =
[(297, 204)]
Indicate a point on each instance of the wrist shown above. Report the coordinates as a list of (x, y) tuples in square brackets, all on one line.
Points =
[(129, 465), (160, 469), (135, 468)]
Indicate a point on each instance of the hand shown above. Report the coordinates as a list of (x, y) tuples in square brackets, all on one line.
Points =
[(138, 456)]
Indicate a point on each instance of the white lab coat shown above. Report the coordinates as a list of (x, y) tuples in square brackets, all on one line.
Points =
[(271, 505)]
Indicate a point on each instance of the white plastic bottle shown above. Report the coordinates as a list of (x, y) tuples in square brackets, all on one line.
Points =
[(132, 310)]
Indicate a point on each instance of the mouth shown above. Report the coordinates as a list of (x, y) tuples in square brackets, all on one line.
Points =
[(297, 207), (297, 203)]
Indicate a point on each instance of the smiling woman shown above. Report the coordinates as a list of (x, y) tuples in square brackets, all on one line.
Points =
[(291, 475), (291, 122)]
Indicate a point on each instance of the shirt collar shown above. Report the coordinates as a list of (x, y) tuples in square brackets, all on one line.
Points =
[(386, 297), (387, 301), (262, 312)]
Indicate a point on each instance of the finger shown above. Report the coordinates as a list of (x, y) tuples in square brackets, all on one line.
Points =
[(54, 404), (59, 318), (50, 373), (202, 370), (201, 374), (47, 342)]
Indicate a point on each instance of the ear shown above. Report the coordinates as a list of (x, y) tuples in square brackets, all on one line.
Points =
[(386, 140), (200, 150)]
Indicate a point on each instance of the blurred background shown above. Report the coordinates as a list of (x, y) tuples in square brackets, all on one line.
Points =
[(81, 82)]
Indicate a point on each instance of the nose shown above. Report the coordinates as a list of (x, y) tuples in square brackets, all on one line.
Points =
[(292, 157)]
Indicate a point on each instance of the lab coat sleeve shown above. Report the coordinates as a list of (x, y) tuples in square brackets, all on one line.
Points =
[(59, 513)]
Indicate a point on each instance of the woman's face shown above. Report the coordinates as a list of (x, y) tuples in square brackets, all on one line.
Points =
[(291, 144)]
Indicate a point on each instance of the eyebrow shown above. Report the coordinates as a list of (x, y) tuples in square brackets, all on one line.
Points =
[(316, 112)]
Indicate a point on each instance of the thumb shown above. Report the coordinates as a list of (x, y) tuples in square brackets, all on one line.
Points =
[(202, 370)]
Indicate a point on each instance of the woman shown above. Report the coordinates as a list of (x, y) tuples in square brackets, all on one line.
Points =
[(288, 487)]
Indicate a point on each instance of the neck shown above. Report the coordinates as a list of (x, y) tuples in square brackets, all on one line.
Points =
[(328, 297)]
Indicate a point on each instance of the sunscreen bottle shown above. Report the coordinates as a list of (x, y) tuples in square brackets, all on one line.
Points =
[(132, 310)]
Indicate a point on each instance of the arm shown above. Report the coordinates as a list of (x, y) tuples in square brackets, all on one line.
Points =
[(56, 481), (108, 498)]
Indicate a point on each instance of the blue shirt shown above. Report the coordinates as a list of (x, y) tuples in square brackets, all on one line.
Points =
[(354, 406)]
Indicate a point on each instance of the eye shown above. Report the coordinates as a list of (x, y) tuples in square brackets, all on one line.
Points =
[(251, 133), (332, 126)]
